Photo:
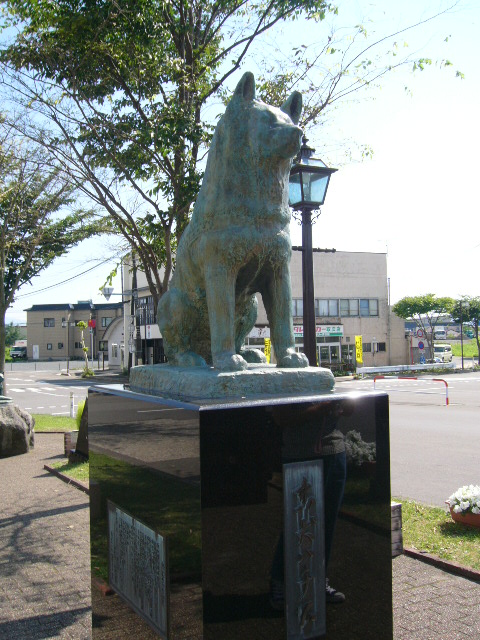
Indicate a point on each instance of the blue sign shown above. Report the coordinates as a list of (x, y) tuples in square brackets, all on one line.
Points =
[(421, 345)]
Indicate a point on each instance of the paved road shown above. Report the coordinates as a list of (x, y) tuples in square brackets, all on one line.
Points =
[(434, 448), (49, 391), (45, 392)]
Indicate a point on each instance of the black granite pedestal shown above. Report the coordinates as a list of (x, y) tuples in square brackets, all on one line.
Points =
[(198, 508)]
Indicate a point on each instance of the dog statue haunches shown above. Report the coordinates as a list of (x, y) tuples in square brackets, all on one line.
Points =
[(237, 242)]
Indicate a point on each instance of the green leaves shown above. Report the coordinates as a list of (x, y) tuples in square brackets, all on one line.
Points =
[(427, 304)]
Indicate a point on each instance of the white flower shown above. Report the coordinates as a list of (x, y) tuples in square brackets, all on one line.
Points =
[(466, 499)]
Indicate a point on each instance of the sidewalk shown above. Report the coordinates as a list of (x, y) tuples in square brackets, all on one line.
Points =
[(45, 565), (44, 549)]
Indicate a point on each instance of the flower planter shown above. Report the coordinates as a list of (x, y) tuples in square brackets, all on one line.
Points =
[(471, 519)]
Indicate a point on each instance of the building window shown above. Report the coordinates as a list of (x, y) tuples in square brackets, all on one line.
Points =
[(344, 308), (364, 307), (321, 307), (49, 346), (297, 307), (368, 307), (60, 345), (106, 322), (49, 322), (78, 345), (381, 346), (325, 308), (367, 347), (333, 307), (352, 307), (103, 345)]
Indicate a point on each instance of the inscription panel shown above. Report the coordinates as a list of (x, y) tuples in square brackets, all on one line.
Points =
[(137, 566), (304, 550)]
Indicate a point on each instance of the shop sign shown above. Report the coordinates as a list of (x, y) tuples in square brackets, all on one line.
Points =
[(322, 331)]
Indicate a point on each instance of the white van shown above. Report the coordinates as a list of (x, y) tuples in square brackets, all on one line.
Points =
[(442, 352), (440, 333)]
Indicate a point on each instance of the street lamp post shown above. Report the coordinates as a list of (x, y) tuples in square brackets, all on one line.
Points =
[(463, 303), (308, 184)]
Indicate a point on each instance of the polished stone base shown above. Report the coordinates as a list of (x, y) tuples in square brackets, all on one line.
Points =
[(196, 383), (233, 492)]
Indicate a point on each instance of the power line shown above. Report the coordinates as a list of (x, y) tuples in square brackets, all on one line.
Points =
[(52, 286)]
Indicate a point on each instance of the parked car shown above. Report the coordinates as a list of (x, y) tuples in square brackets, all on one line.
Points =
[(18, 353), (442, 352)]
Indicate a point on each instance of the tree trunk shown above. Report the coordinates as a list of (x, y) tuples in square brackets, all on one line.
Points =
[(2, 343)]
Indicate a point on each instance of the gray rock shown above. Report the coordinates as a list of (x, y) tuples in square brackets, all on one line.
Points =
[(16, 430)]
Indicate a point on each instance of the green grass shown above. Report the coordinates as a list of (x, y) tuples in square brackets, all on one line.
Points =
[(45, 423), (469, 349), (432, 529), (78, 471)]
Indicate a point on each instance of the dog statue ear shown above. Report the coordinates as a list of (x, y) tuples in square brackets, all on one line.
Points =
[(246, 87), (293, 106)]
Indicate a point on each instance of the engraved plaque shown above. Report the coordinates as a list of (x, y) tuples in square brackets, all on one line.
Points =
[(304, 550), (137, 567)]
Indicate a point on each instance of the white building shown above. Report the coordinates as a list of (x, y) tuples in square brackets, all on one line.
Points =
[(351, 299)]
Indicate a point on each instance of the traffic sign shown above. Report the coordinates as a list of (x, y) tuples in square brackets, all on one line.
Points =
[(421, 345), (419, 333)]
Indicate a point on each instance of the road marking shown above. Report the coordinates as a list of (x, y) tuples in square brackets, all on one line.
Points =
[(43, 393), (10, 390), (62, 413)]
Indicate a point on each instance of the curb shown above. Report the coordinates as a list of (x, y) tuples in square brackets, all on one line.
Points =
[(78, 484), (444, 565)]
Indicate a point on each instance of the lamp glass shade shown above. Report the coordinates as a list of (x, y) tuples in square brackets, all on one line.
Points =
[(308, 182), (295, 189), (314, 187)]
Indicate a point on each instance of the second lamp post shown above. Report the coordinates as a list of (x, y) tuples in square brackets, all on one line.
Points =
[(308, 184)]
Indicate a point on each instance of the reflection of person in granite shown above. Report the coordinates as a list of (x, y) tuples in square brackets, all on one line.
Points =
[(322, 439)]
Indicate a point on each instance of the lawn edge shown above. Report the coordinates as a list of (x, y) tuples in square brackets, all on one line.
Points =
[(78, 484), (446, 565)]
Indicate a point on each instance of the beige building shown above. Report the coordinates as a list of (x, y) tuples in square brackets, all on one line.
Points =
[(351, 299), (53, 332)]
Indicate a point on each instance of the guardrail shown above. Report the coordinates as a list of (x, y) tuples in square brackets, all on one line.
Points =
[(447, 402), (52, 365), (405, 367)]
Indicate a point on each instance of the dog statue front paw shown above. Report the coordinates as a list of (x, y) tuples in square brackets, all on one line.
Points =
[(227, 361), (293, 360), (254, 356)]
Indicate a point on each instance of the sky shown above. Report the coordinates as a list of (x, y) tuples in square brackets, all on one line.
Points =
[(415, 200)]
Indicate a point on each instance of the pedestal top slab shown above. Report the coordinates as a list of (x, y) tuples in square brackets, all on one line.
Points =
[(195, 383)]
